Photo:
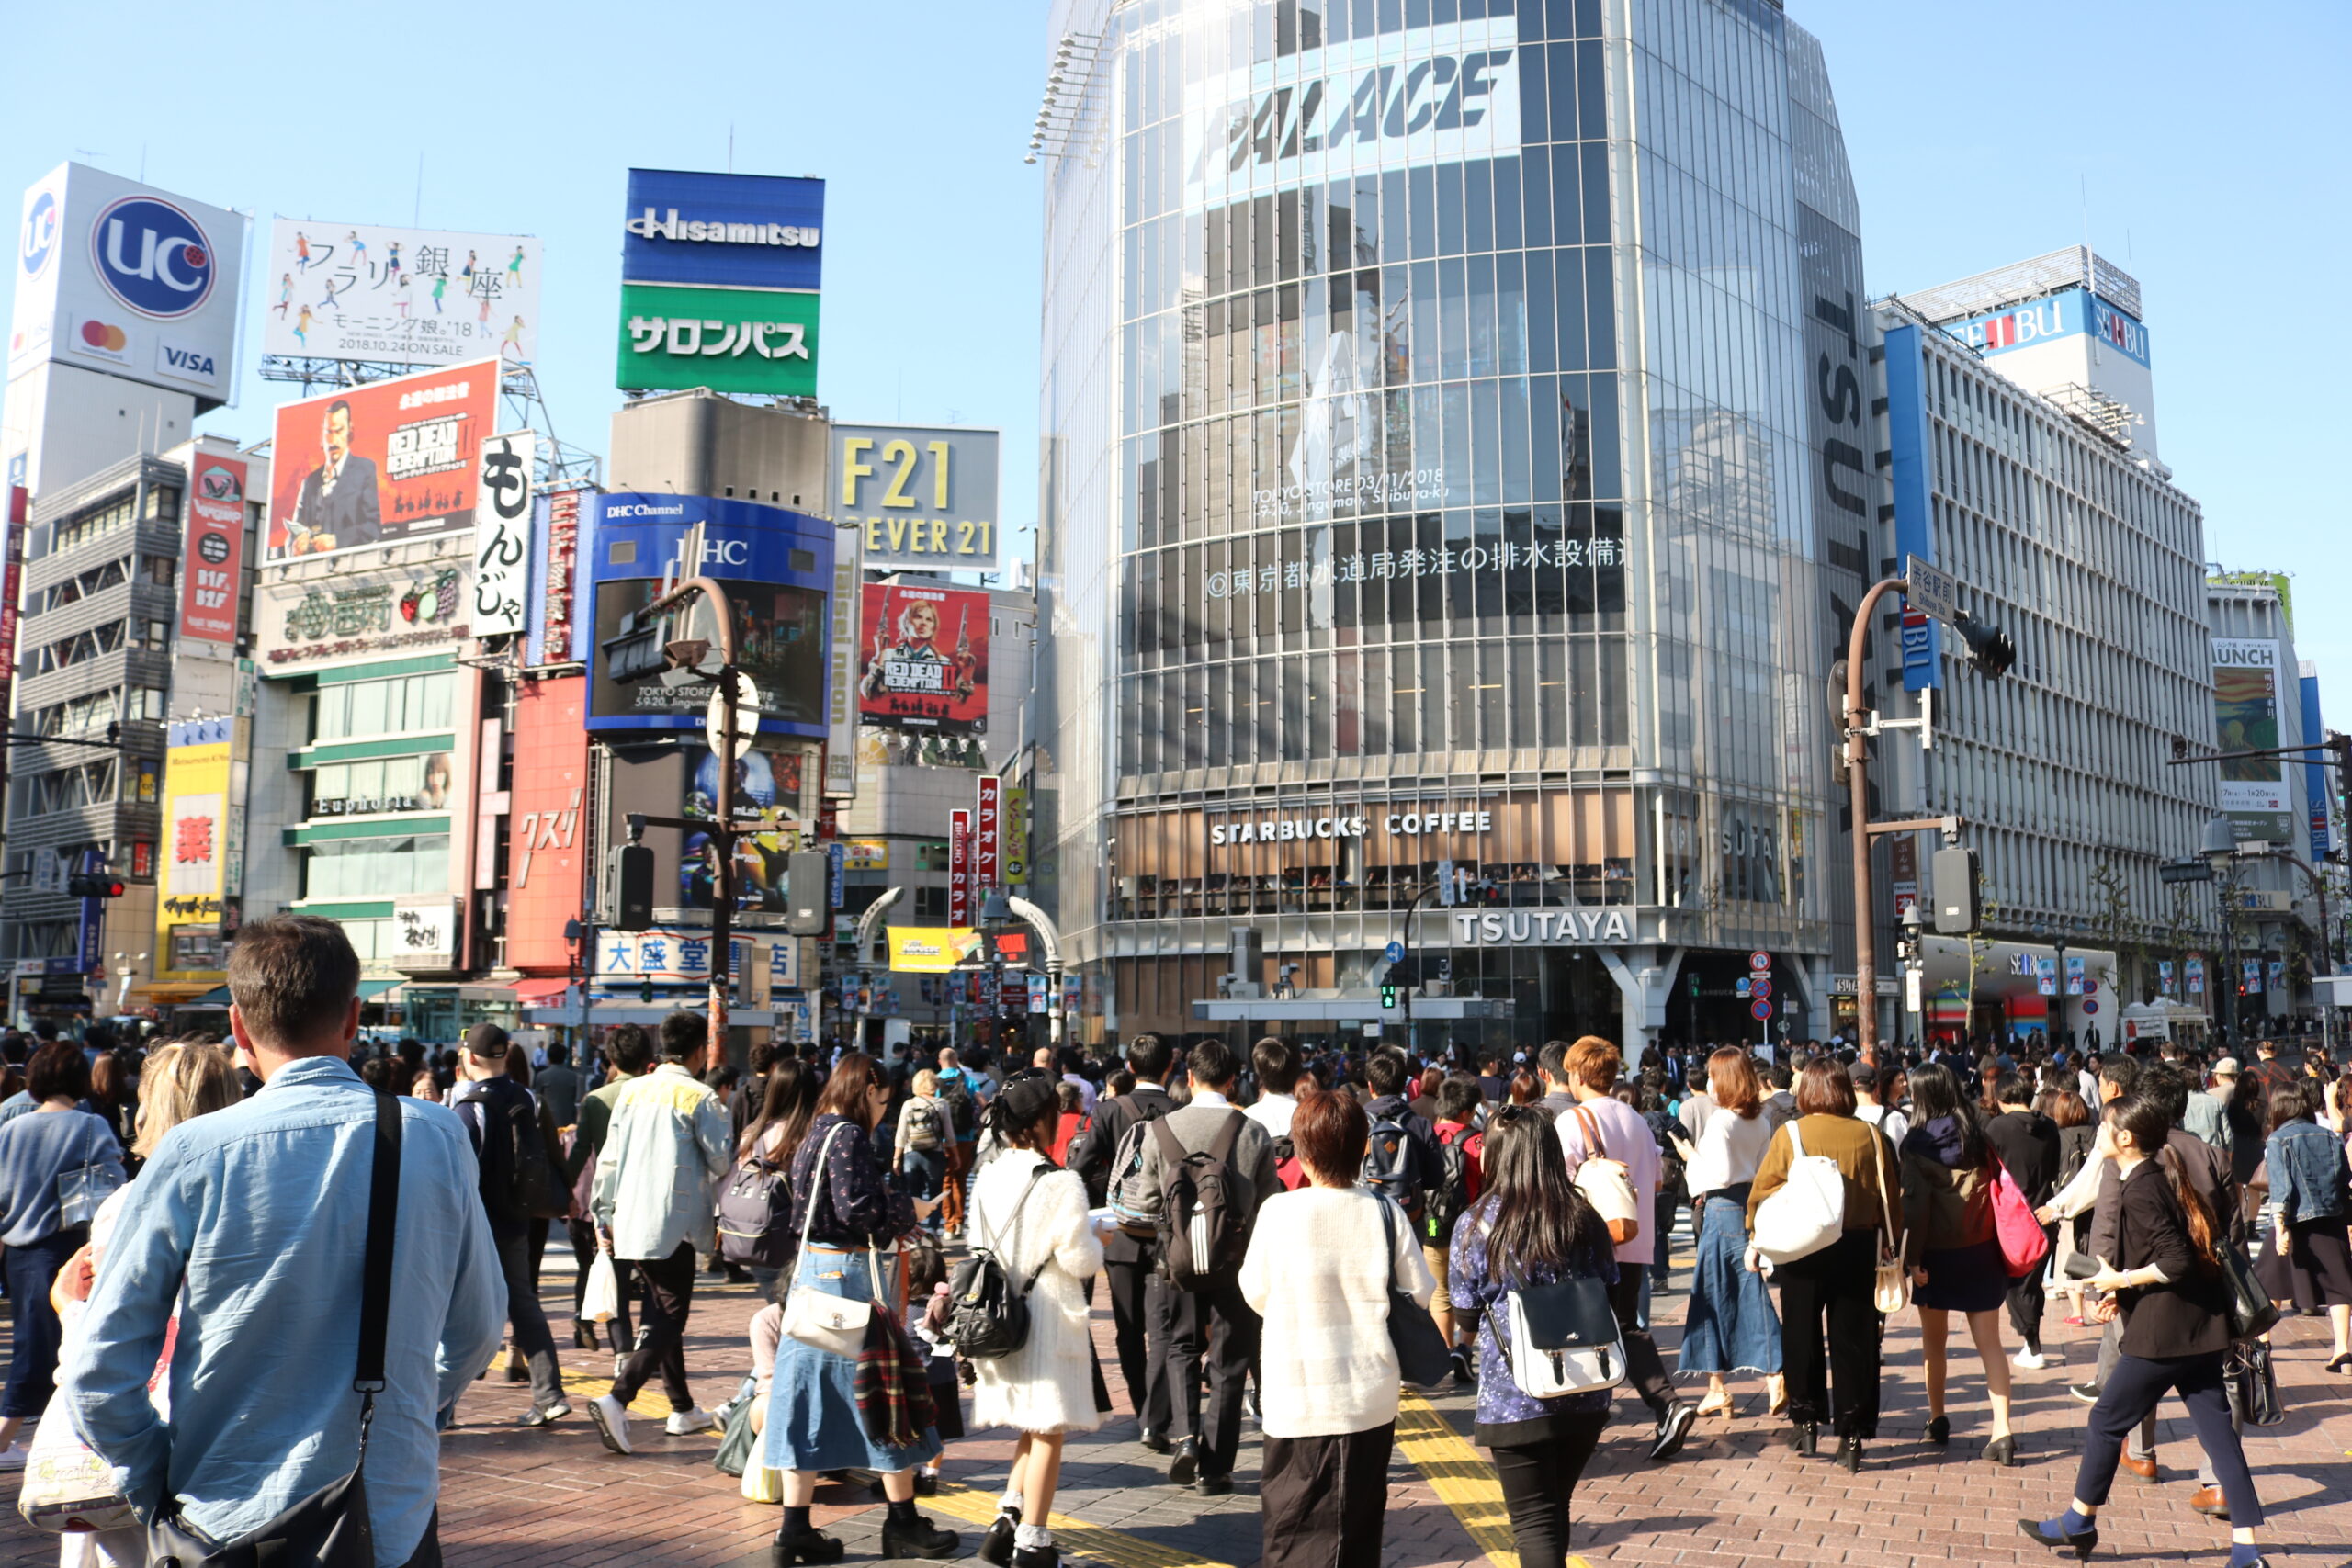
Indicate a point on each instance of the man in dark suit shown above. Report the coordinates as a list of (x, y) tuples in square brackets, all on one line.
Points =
[(1141, 1312), (338, 507)]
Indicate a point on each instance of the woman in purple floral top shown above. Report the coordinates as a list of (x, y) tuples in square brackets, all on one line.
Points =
[(1532, 1227)]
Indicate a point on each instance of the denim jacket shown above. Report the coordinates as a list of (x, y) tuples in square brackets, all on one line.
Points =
[(259, 1211), (2307, 1172)]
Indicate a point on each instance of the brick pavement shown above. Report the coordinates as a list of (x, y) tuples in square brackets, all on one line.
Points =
[(1736, 1497)]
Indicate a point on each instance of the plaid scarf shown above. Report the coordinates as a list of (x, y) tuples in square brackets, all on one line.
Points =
[(893, 1394)]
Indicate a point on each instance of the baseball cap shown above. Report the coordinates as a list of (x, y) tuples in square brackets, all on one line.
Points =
[(1863, 1077), (486, 1041), (2227, 1067)]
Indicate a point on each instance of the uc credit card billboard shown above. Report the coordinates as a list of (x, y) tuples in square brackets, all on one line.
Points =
[(121, 278), (776, 565), (719, 275)]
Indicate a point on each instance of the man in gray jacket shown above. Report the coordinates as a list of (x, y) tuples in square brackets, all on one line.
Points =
[(1213, 1324)]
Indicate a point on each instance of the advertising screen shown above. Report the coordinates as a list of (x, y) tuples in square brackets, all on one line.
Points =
[(390, 460), (121, 278), (779, 642), (213, 550), (2245, 718), (398, 295), (925, 658)]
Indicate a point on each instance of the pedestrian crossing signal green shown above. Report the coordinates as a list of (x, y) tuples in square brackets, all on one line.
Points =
[(1388, 996), (645, 992)]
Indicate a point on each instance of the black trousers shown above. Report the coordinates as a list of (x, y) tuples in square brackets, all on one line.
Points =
[(1537, 1480), (669, 1285), (2132, 1390), (1214, 1339), (1645, 1368), (1831, 1289), (1321, 1500), (2026, 1296), (528, 1322), (1141, 1326), (428, 1550)]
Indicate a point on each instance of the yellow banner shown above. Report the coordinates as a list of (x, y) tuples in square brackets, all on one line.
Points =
[(930, 950), (196, 814)]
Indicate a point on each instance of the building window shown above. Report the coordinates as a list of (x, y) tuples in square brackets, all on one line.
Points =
[(930, 904), (196, 950), (390, 783), (405, 706), (930, 857), (146, 779), (143, 860), (377, 868)]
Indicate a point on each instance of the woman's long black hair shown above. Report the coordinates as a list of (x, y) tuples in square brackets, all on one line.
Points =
[(1935, 1094), (790, 1099), (1535, 1216)]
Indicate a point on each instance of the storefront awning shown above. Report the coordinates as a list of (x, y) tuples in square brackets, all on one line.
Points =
[(541, 991), (218, 997), (373, 990)]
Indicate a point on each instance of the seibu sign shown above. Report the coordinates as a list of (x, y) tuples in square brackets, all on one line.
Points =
[(1280, 830)]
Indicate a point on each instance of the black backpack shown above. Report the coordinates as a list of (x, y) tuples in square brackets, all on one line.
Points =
[(1452, 1198), (1392, 1166), (755, 1215), (1204, 1216), (961, 1107), (516, 1180), (989, 1319)]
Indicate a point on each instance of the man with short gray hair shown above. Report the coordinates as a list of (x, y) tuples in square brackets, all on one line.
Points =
[(252, 1224)]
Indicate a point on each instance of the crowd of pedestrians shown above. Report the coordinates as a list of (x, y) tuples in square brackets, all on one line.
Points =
[(1287, 1240)]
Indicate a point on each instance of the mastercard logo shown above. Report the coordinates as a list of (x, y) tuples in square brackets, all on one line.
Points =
[(104, 336)]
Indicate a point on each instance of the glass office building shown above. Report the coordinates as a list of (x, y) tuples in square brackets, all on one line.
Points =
[(1454, 494)]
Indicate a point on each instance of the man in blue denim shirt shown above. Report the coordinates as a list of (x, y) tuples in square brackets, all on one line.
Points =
[(261, 1212)]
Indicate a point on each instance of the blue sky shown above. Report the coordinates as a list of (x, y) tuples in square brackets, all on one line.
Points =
[(2202, 147)]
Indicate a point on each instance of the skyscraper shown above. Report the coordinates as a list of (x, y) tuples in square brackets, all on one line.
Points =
[(1455, 484)]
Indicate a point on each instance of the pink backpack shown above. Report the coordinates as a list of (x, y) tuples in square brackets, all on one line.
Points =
[(2024, 1243)]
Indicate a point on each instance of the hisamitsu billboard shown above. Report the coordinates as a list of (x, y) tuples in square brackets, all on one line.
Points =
[(728, 231)]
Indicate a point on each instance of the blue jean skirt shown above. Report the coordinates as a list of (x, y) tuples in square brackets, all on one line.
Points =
[(1730, 1325), (813, 1421)]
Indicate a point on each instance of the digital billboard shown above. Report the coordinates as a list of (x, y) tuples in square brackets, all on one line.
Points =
[(2253, 792), (925, 658), (125, 279), (923, 498), (213, 550), (388, 461), (398, 295), (776, 565)]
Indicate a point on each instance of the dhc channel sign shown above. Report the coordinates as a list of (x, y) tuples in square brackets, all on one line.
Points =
[(153, 257)]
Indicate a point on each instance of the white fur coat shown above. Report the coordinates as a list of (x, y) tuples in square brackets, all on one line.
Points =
[(1048, 1384)]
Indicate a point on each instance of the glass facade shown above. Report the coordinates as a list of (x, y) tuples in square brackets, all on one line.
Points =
[(1433, 434)]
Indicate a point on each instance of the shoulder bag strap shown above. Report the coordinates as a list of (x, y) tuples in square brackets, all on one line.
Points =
[(1171, 1149), (1036, 1174), (816, 1175), (1388, 1234), (1221, 1146), (375, 1272), (1796, 1143), (1592, 1133)]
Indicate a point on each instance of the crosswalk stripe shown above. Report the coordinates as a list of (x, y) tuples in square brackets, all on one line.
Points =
[(1461, 1477), (1075, 1537)]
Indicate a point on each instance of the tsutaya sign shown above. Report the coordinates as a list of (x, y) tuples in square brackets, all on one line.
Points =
[(1277, 828), (1557, 927)]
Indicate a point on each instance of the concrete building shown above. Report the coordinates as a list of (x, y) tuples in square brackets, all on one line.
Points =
[(1445, 529)]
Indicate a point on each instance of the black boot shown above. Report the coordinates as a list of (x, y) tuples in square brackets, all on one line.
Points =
[(906, 1534), (1805, 1439), (807, 1546), (1849, 1455)]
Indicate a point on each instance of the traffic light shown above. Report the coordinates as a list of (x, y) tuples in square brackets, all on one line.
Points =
[(809, 876), (628, 889), (1955, 881), (1694, 985), (94, 886), (645, 992), (1387, 996), (1990, 651)]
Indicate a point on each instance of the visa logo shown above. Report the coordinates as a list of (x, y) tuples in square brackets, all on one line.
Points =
[(187, 363)]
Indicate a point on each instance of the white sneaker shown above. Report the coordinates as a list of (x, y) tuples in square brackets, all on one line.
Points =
[(612, 1421), (13, 1457), (686, 1423), (2029, 1360)]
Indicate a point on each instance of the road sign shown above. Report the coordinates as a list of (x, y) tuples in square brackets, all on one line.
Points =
[(1760, 961), (1759, 1010), (2184, 871), (2090, 1007), (747, 715), (1394, 953), (1762, 986), (1742, 986), (1931, 590)]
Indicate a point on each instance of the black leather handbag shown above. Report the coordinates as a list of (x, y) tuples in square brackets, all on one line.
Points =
[(2251, 1312), (1423, 1357), (330, 1528)]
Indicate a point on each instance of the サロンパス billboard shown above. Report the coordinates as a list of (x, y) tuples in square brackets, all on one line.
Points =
[(718, 282), (390, 460), (399, 296), (925, 659), (730, 340)]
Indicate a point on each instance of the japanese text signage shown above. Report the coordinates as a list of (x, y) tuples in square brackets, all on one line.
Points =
[(988, 831), (391, 460), (923, 498), (503, 534), (214, 549), (719, 275), (960, 866), (399, 296)]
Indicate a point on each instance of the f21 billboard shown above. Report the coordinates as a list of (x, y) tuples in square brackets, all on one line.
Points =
[(120, 277)]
